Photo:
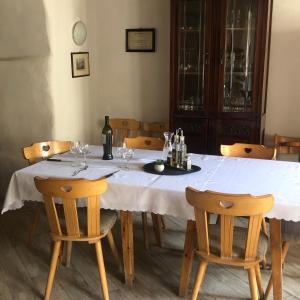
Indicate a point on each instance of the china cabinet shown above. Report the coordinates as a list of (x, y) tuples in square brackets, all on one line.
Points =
[(219, 71)]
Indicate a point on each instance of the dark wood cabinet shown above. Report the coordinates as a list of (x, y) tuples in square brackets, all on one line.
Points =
[(219, 71)]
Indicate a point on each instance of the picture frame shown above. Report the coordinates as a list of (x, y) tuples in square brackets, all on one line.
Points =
[(140, 40), (80, 64)]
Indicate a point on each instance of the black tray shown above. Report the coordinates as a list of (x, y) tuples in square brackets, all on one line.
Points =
[(149, 168)]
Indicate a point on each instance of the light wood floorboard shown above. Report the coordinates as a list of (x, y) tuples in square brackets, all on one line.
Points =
[(23, 271)]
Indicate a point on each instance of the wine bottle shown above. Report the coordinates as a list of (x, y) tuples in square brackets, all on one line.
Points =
[(107, 136)]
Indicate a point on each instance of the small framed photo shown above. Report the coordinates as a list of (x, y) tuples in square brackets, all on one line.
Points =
[(80, 64), (140, 40)]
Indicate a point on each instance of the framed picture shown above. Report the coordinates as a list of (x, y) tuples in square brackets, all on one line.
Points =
[(80, 64), (140, 40)]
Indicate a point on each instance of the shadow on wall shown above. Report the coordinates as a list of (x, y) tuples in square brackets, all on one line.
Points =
[(26, 105)]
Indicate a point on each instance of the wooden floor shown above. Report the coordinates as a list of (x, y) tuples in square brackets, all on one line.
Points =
[(23, 272)]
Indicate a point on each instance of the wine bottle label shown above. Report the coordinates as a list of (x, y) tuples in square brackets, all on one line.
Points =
[(103, 139)]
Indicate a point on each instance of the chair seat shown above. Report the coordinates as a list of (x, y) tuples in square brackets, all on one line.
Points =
[(239, 241), (290, 231)]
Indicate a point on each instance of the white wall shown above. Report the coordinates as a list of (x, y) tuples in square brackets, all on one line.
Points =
[(124, 84), (284, 74)]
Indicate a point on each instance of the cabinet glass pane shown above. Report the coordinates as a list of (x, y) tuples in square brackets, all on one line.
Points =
[(191, 54), (239, 55)]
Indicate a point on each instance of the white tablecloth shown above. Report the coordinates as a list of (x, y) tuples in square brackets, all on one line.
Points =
[(135, 190)]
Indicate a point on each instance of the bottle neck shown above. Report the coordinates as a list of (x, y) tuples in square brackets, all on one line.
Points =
[(106, 120)]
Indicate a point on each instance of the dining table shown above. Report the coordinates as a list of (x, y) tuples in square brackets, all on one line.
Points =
[(134, 190)]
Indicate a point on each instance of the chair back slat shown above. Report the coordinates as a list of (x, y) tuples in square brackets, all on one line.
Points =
[(123, 128), (52, 215), (70, 190), (248, 151), (287, 145), (144, 142), (43, 150), (155, 129), (93, 215), (228, 206), (226, 237), (71, 217), (202, 230), (253, 236)]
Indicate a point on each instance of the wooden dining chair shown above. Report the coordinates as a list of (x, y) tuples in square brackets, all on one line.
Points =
[(149, 143), (33, 154), (248, 151), (124, 128), (91, 228), (155, 129), (225, 243), (288, 148), (290, 234)]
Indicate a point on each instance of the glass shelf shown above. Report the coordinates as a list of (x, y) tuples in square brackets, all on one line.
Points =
[(239, 56), (191, 46)]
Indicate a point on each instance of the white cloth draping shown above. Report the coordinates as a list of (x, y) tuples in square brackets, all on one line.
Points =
[(136, 190)]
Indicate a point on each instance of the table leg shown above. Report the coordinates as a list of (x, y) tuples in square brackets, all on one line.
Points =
[(127, 245), (188, 255), (276, 250)]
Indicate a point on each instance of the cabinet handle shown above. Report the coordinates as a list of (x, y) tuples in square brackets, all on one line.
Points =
[(206, 58)]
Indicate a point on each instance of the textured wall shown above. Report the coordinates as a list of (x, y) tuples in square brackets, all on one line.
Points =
[(26, 104)]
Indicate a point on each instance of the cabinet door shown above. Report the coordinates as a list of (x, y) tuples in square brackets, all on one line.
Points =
[(189, 55), (238, 58)]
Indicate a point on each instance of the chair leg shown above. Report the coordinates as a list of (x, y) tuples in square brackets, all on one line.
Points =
[(285, 248), (163, 224), (199, 279), (114, 250), (68, 252), (53, 266), (101, 269), (35, 223), (157, 228), (145, 230), (253, 283), (259, 282)]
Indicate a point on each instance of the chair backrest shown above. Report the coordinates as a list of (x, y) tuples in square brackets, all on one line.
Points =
[(248, 151), (228, 206), (144, 142), (124, 128), (69, 191), (155, 129), (287, 145), (43, 150)]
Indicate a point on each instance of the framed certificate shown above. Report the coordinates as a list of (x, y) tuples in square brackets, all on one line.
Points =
[(140, 40)]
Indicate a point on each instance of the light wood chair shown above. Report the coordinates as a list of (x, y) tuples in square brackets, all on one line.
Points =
[(44, 150), (155, 129), (248, 151), (287, 147), (149, 143), (92, 228), (290, 234), (35, 153), (124, 128), (144, 142), (226, 243)]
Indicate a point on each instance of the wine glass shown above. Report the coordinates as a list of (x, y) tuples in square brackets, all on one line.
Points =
[(84, 149), (128, 155), (75, 151)]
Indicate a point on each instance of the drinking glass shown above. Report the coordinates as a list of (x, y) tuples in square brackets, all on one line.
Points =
[(84, 149), (128, 155), (75, 151)]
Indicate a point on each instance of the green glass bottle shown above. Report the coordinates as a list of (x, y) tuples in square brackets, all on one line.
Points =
[(107, 136)]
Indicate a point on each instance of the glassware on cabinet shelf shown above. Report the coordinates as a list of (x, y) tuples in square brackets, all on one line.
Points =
[(239, 56), (191, 57)]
